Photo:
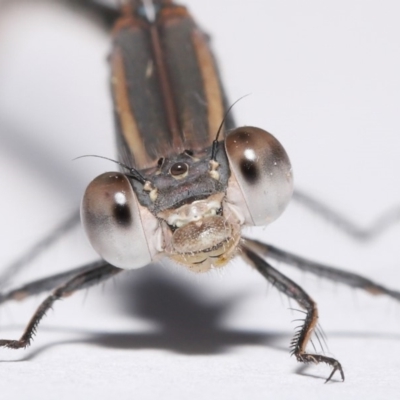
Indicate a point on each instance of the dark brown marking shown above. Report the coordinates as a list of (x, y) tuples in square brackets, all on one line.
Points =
[(130, 130)]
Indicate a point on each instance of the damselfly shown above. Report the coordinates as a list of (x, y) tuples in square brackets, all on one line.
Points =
[(210, 206)]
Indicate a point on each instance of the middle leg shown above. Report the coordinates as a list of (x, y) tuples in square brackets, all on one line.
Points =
[(324, 271)]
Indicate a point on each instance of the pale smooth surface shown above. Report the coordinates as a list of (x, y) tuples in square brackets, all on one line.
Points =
[(324, 80)]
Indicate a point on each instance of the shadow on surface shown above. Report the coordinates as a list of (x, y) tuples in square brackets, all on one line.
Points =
[(301, 370), (213, 342), (186, 322)]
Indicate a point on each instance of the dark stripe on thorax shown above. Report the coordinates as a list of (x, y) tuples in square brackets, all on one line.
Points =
[(166, 89)]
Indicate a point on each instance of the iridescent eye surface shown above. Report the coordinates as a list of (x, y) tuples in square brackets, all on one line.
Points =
[(263, 171), (111, 219)]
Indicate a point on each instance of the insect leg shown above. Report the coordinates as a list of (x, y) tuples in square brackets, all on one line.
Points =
[(324, 271), (45, 284), (83, 280), (107, 14), (384, 222), (294, 291)]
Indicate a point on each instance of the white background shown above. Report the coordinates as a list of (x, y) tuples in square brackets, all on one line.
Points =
[(323, 77)]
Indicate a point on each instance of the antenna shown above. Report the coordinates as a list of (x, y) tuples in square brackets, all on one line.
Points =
[(133, 172), (215, 141)]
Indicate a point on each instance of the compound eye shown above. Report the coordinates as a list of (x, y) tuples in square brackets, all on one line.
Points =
[(263, 171), (111, 219), (179, 170)]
